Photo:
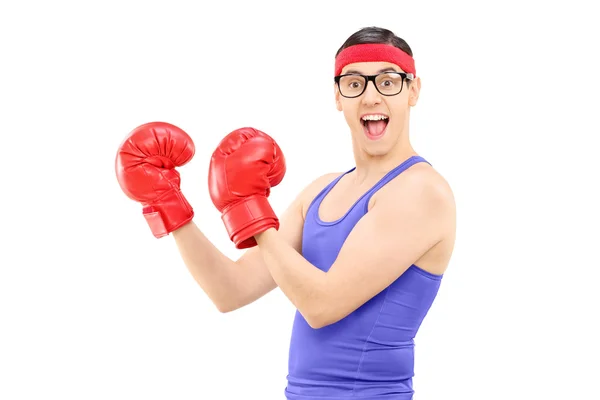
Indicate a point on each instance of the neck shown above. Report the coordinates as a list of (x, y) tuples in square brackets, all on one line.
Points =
[(373, 167)]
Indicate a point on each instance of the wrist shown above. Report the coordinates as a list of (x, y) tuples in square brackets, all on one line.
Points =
[(247, 218), (168, 213), (263, 238)]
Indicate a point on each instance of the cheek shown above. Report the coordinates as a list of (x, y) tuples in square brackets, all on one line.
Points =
[(351, 118), (350, 112), (399, 109)]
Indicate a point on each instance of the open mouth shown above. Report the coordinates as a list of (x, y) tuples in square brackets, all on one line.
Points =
[(375, 125)]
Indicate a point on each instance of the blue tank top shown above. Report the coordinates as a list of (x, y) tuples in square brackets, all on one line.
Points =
[(369, 354)]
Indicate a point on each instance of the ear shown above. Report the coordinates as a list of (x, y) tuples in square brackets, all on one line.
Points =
[(336, 93), (415, 90)]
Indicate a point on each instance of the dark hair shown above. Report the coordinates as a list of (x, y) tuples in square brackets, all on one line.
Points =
[(375, 35)]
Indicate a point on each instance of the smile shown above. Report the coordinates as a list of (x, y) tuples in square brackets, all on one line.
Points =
[(374, 125)]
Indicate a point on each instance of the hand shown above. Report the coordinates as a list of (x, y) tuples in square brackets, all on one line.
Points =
[(145, 167), (245, 166)]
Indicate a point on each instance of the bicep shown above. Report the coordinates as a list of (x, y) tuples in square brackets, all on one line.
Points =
[(380, 248)]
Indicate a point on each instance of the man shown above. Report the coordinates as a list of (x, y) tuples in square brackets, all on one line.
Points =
[(360, 254)]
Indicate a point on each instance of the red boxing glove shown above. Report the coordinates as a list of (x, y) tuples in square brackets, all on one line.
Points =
[(145, 167), (243, 168)]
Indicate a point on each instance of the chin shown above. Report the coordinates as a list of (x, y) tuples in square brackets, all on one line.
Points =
[(376, 151), (376, 148)]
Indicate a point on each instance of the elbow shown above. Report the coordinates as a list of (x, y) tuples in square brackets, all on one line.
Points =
[(320, 319), (316, 324), (225, 307), (322, 312)]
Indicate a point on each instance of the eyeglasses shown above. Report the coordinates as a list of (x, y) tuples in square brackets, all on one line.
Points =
[(387, 83)]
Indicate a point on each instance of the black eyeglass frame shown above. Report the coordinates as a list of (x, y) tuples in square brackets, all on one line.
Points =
[(371, 78)]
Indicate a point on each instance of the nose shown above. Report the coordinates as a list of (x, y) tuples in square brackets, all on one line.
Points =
[(371, 96)]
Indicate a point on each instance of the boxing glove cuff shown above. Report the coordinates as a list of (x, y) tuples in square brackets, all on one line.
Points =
[(247, 218), (168, 213)]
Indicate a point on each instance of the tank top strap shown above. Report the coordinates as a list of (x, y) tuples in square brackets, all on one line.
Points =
[(363, 201), (409, 162), (316, 202)]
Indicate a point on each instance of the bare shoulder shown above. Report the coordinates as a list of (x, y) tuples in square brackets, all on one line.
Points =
[(434, 187), (420, 184), (422, 198)]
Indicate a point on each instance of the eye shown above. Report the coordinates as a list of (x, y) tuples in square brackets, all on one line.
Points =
[(354, 84), (389, 80)]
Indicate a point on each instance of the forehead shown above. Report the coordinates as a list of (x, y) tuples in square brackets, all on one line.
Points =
[(370, 68)]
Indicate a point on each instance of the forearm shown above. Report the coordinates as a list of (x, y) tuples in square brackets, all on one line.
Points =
[(216, 274), (303, 283)]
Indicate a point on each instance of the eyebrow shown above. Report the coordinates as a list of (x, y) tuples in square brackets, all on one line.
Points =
[(388, 69)]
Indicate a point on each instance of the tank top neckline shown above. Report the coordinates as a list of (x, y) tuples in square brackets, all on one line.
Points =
[(372, 189)]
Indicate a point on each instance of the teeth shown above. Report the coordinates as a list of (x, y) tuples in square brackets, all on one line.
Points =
[(374, 117)]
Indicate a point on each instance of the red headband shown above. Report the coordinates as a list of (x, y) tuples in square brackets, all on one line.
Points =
[(374, 52)]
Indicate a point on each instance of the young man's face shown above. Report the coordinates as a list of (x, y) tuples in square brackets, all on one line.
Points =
[(377, 122)]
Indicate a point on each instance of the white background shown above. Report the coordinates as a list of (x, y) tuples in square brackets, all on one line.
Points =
[(93, 307)]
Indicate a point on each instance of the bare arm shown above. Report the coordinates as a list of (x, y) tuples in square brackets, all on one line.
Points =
[(384, 243), (233, 284), (229, 284)]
